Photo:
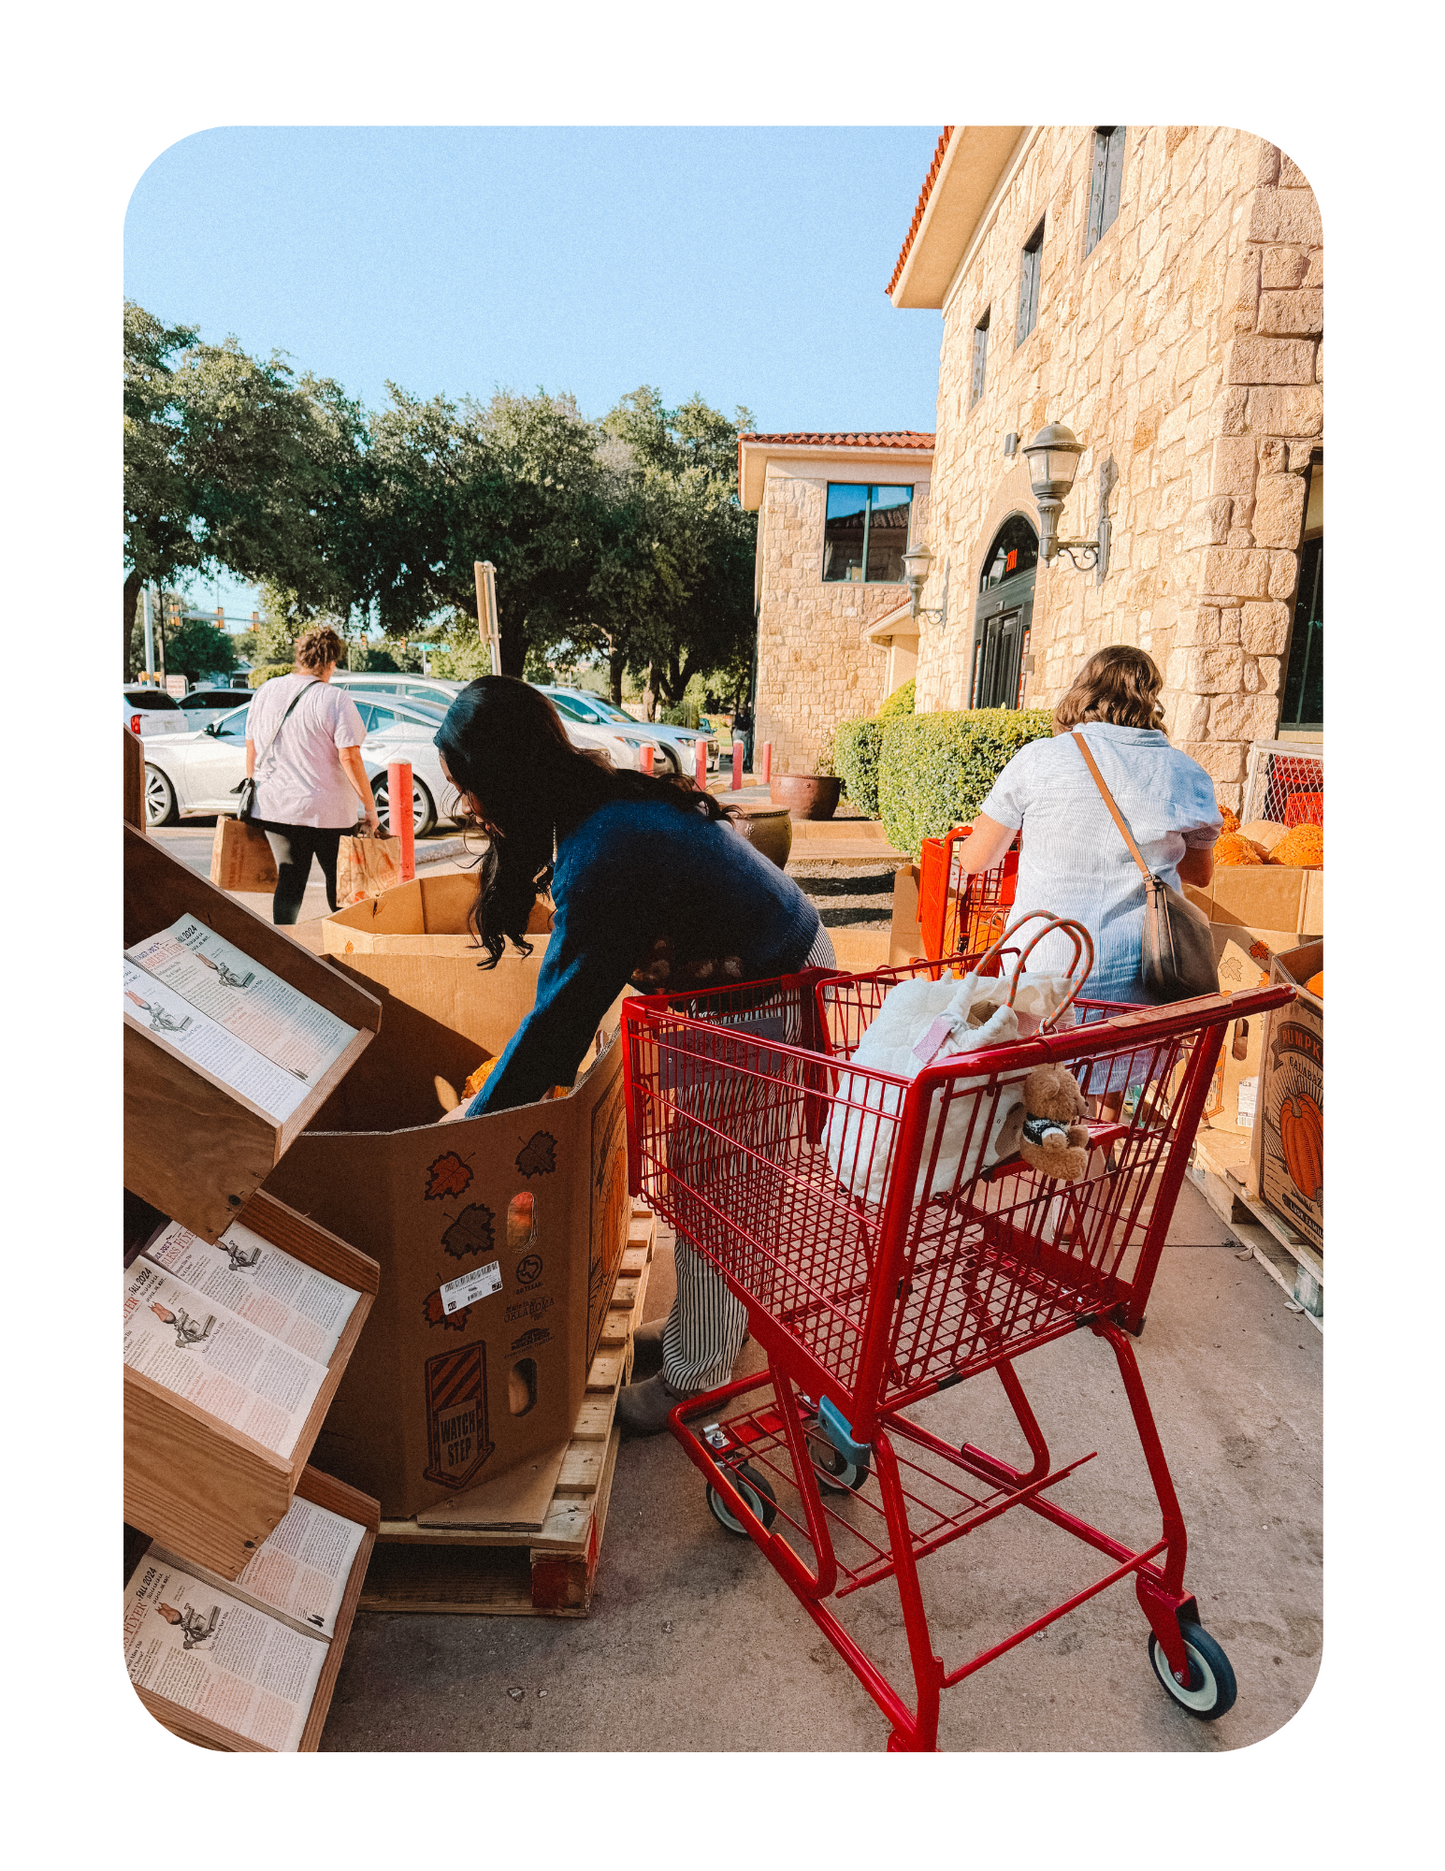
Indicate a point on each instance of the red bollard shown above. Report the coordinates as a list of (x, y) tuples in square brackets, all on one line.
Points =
[(737, 765), (701, 766), (646, 759), (399, 813), (767, 772)]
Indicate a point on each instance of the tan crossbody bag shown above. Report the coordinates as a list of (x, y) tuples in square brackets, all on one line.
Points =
[(1176, 958)]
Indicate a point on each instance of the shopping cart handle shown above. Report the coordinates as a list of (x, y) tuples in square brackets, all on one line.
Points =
[(839, 1432)]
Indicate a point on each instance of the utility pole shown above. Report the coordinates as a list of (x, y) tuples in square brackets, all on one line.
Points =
[(489, 625), (150, 632)]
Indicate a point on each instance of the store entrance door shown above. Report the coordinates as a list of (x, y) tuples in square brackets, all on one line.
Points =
[(1000, 646)]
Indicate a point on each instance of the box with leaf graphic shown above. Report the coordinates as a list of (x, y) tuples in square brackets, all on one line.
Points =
[(1289, 1136)]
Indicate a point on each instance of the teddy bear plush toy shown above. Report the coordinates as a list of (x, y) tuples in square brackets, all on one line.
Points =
[(1052, 1139)]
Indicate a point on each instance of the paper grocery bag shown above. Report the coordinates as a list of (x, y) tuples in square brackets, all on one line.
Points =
[(365, 867), (241, 858)]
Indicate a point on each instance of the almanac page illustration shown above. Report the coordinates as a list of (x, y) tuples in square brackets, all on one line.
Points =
[(254, 1005), (216, 1656), (164, 1011), (199, 1349), (299, 1572), (260, 1283)]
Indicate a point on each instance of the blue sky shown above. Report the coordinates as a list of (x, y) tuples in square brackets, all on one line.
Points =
[(747, 264)]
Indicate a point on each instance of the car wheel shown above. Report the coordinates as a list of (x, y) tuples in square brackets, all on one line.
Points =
[(423, 812), (161, 804)]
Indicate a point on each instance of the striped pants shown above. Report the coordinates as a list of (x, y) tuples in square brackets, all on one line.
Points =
[(707, 1325)]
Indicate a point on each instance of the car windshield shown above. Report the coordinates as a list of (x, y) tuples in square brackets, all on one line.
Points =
[(229, 727), (212, 698), (150, 698), (605, 711), (568, 709)]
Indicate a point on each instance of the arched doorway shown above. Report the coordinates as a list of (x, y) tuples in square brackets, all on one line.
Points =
[(1003, 616)]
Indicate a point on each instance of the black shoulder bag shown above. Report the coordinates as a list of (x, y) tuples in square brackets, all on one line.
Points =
[(1176, 960), (246, 810)]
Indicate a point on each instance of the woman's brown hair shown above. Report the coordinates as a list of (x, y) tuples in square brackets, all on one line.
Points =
[(318, 647), (1119, 685)]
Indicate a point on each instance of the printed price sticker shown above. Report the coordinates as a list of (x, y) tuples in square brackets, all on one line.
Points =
[(928, 1046), (468, 1288), (1248, 1098)]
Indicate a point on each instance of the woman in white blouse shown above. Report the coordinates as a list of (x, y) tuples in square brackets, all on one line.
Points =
[(1072, 859)]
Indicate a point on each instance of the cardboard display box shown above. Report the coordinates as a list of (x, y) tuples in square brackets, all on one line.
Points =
[(1266, 899), (194, 1148), (1288, 1153), (905, 941), (499, 1237), (195, 1484), (1234, 1093)]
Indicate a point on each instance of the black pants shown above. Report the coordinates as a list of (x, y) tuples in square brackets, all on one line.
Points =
[(293, 847)]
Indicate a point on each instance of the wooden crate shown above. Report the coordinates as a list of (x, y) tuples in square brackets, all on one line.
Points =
[(133, 785), (548, 1573), (194, 1148), (201, 1488), (312, 1485)]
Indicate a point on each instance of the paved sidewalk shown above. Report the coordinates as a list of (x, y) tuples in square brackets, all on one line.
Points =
[(695, 1643)]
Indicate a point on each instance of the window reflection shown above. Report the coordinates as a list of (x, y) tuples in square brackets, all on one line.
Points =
[(1015, 549), (865, 533)]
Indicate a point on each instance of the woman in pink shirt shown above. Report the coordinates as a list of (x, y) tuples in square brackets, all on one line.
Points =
[(308, 770)]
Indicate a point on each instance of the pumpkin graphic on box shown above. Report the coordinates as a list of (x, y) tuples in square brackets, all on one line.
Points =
[(1301, 1137)]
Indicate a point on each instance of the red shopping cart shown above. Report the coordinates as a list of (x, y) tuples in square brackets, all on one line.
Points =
[(883, 1258), (957, 914)]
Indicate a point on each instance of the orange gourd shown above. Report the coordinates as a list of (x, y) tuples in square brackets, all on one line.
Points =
[(1304, 846), (1316, 985), (1301, 1136), (1231, 848)]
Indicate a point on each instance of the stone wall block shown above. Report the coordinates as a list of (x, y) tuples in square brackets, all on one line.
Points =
[(1298, 411), (1279, 510), (1264, 629), (1186, 716), (1233, 574), (1290, 173), (1266, 163), (1283, 573), (1285, 214), (1220, 760), (1216, 671), (1241, 718), (1208, 523), (1320, 363), (1240, 537), (1283, 268), (1230, 796), (1299, 456), (1230, 628), (1235, 412), (1315, 271), (1273, 456), (1272, 360), (1286, 314)]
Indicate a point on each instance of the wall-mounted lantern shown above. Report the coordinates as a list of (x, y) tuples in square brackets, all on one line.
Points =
[(917, 564), (1053, 458)]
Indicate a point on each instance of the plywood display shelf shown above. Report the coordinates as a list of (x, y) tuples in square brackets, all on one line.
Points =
[(1217, 1167), (311, 1485), (547, 1572), (201, 1488), (194, 1148)]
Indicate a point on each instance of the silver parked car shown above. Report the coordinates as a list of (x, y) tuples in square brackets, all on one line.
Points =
[(621, 742), (149, 710), (203, 705), (194, 774), (583, 705)]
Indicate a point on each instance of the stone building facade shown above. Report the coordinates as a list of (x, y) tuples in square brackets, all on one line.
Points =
[(1159, 291), (829, 647)]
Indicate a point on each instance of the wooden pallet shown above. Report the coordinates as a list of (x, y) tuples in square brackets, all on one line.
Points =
[(548, 1573), (1216, 1167)]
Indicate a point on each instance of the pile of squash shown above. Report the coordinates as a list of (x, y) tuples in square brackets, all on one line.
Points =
[(1263, 841)]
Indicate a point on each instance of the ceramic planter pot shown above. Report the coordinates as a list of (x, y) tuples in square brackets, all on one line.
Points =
[(770, 828), (806, 795)]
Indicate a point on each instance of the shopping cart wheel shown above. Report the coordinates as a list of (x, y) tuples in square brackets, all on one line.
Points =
[(1211, 1688), (836, 1474), (755, 1490)]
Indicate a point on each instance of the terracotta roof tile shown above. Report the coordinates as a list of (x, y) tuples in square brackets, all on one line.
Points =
[(881, 438), (914, 224)]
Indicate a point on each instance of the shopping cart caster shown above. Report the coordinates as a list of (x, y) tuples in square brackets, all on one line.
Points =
[(836, 1474), (755, 1490), (1211, 1688)]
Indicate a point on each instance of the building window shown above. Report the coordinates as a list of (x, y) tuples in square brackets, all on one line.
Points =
[(865, 534), (980, 352), (1015, 550), (1029, 272), (1104, 184)]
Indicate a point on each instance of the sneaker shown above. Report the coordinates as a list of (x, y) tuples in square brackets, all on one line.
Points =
[(647, 1349), (643, 1409)]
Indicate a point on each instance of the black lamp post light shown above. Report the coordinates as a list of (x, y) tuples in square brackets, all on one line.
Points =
[(1053, 458)]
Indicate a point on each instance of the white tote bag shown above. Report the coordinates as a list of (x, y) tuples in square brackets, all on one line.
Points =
[(922, 1022)]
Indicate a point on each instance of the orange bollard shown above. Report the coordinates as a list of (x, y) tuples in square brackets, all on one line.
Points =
[(646, 759), (767, 772), (701, 766), (399, 814), (737, 765)]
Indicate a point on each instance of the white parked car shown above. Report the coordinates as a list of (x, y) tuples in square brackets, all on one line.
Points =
[(681, 743), (202, 705), (194, 774), (622, 741), (150, 710)]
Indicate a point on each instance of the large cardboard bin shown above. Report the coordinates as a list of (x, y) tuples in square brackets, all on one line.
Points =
[(499, 1237), (1277, 904), (1288, 1156)]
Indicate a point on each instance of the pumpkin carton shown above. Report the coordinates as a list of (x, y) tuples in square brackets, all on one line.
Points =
[(1289, 1138)]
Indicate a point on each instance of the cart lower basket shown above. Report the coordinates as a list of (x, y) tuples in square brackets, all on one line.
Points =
[(889, 1243)]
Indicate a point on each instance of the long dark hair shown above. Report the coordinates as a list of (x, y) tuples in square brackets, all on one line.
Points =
[(505, 745)]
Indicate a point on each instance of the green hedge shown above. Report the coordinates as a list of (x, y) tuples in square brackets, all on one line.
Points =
[(267, 671), (856, 747), (936, 770), (900, 702)]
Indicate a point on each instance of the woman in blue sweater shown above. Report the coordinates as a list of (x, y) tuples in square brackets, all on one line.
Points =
[(651, 885)]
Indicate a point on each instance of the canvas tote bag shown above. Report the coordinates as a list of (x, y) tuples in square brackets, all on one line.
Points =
[(1176, 959)]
